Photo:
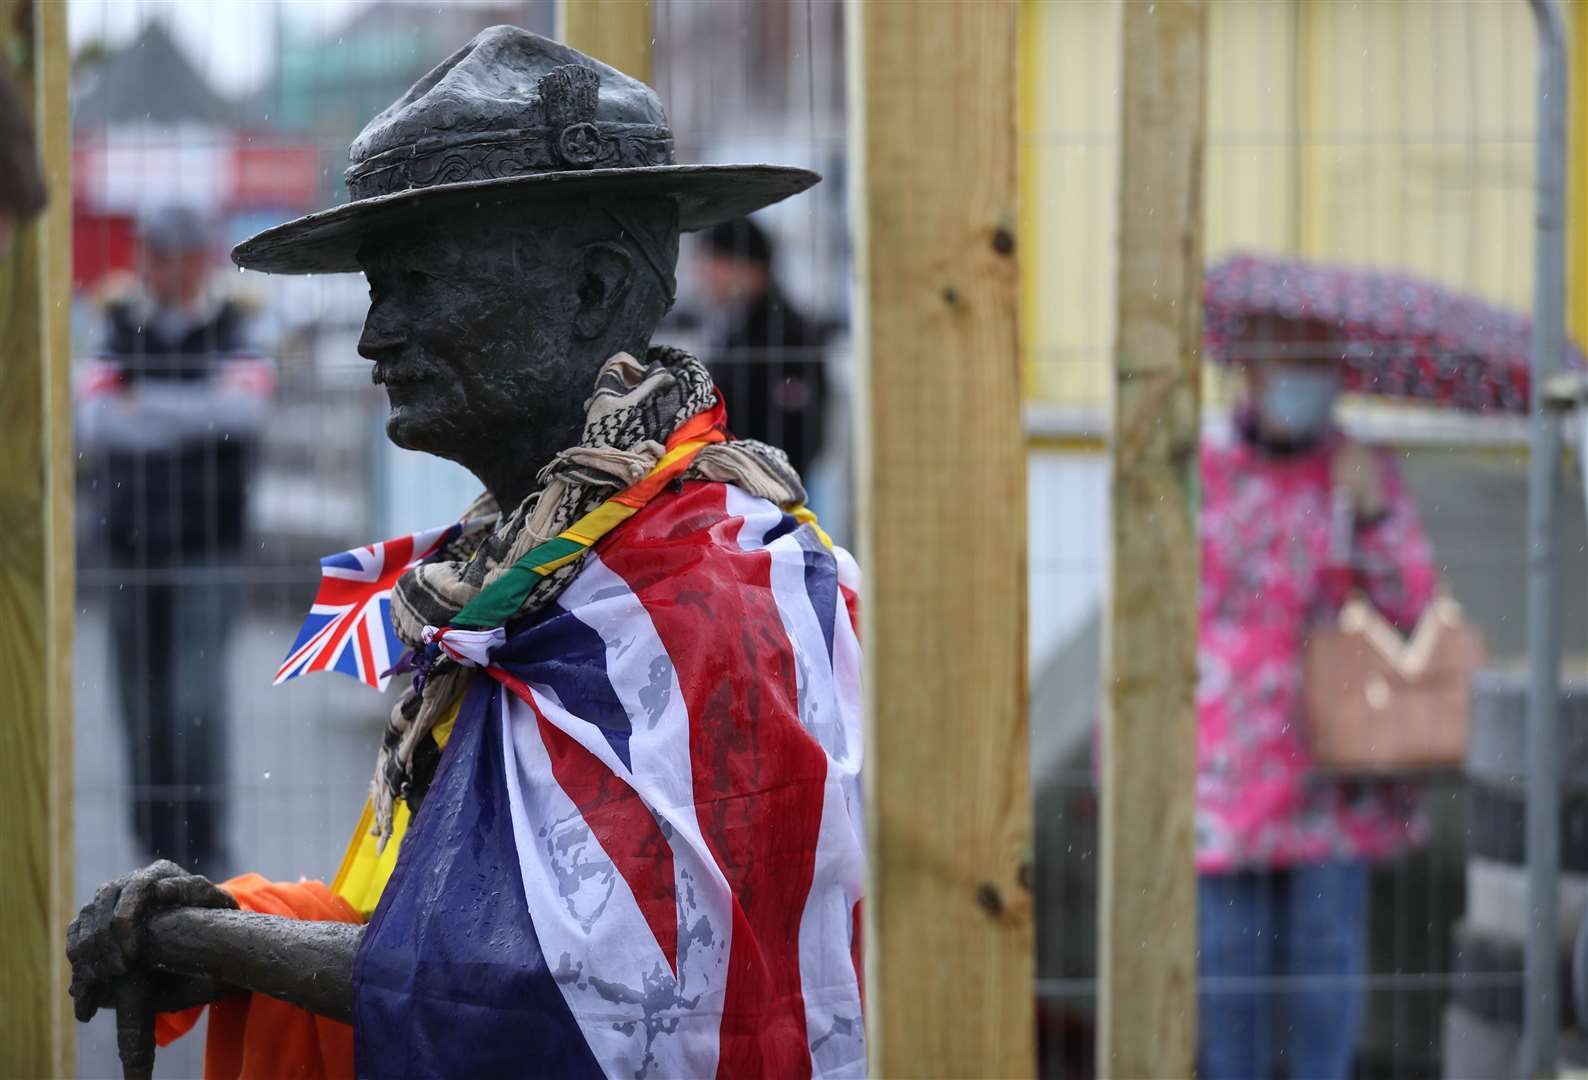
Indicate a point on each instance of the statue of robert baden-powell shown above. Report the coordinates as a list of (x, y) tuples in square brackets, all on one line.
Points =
[(624, 780)]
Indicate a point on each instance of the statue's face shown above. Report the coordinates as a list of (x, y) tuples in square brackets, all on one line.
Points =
[(470, 330)]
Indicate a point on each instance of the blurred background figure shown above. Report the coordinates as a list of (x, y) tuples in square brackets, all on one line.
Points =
[(171, 410), (767, 357), (1283, 853)]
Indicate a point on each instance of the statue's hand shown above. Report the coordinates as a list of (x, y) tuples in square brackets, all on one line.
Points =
[(106, 940)]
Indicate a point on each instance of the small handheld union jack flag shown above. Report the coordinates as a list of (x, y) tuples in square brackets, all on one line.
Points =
[(349, 628)]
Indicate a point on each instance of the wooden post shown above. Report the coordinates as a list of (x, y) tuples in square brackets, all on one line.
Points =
[(37, 1032), (1147, 937), (615, 32), (942, 516)]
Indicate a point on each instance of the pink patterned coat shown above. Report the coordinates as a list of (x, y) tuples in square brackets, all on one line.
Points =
[(1265, 539)]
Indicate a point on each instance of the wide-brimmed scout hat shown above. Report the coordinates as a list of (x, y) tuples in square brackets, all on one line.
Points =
[(512, 117)]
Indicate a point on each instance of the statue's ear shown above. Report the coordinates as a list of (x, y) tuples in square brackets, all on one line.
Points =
[(605, 274)]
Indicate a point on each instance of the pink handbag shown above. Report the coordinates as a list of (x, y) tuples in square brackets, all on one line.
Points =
[(1378, 702)]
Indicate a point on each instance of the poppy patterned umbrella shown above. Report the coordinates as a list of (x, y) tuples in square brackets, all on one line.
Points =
[(1395, 335)]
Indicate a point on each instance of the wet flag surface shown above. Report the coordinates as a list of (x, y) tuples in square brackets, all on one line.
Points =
[(641, 854)]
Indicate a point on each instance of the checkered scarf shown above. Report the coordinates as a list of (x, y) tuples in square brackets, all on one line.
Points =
[(628, 419)]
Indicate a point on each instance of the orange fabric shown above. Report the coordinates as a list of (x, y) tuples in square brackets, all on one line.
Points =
[(704, 427), (253, 1036)]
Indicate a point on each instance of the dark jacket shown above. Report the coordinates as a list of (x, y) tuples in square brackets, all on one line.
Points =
[(182, 496), (771, 368)]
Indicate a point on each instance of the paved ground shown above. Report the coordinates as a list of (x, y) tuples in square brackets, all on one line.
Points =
[(301, 757)]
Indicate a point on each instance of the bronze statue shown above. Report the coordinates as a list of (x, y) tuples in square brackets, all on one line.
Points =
[(517, 216)]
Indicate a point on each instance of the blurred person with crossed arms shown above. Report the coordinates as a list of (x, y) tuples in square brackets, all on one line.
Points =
[(171, 409)]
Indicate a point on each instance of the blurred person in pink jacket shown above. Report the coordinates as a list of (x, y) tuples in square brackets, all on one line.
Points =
[(1283, 852)]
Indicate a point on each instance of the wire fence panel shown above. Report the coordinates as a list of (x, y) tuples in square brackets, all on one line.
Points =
[(1377, 138), (1396, 138)]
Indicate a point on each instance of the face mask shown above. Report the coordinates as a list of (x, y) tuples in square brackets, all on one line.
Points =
[(1298, 404)]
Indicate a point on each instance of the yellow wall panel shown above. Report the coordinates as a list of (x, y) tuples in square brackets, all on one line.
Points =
[(1391, 134), (1070, 166), (1417, 128), (1577, 177)]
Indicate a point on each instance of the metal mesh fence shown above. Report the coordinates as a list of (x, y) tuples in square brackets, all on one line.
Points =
[(1396, 136), (1372, 137)]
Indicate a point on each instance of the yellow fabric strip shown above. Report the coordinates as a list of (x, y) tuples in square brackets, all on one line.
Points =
[(365, 870), (598, 522), (680, 451), (547, 567), (343, 884)]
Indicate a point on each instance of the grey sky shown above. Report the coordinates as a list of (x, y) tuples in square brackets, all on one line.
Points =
[(230, 41)]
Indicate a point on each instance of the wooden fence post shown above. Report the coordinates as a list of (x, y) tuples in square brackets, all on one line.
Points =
[(1147, 905), (615, 32), (943, 538), (37, 1032)]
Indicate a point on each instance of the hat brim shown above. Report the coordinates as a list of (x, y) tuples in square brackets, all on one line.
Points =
[(327, 241)]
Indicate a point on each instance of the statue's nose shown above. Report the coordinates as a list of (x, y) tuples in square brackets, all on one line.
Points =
[(380, 338)]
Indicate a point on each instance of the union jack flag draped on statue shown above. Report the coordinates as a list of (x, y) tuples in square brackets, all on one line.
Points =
[(666, 763), (666, 760)]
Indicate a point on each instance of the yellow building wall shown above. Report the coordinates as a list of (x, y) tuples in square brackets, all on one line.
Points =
[(1382, 133), (1069, 120), (1577, 178)]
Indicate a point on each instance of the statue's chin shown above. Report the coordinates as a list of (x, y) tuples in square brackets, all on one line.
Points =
[(405, 432), (412, 433)]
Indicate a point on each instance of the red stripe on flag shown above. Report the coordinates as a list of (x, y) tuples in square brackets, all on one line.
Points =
[(337, 591), (857, 953), (759, 777), (620, 820), (852, 603)]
